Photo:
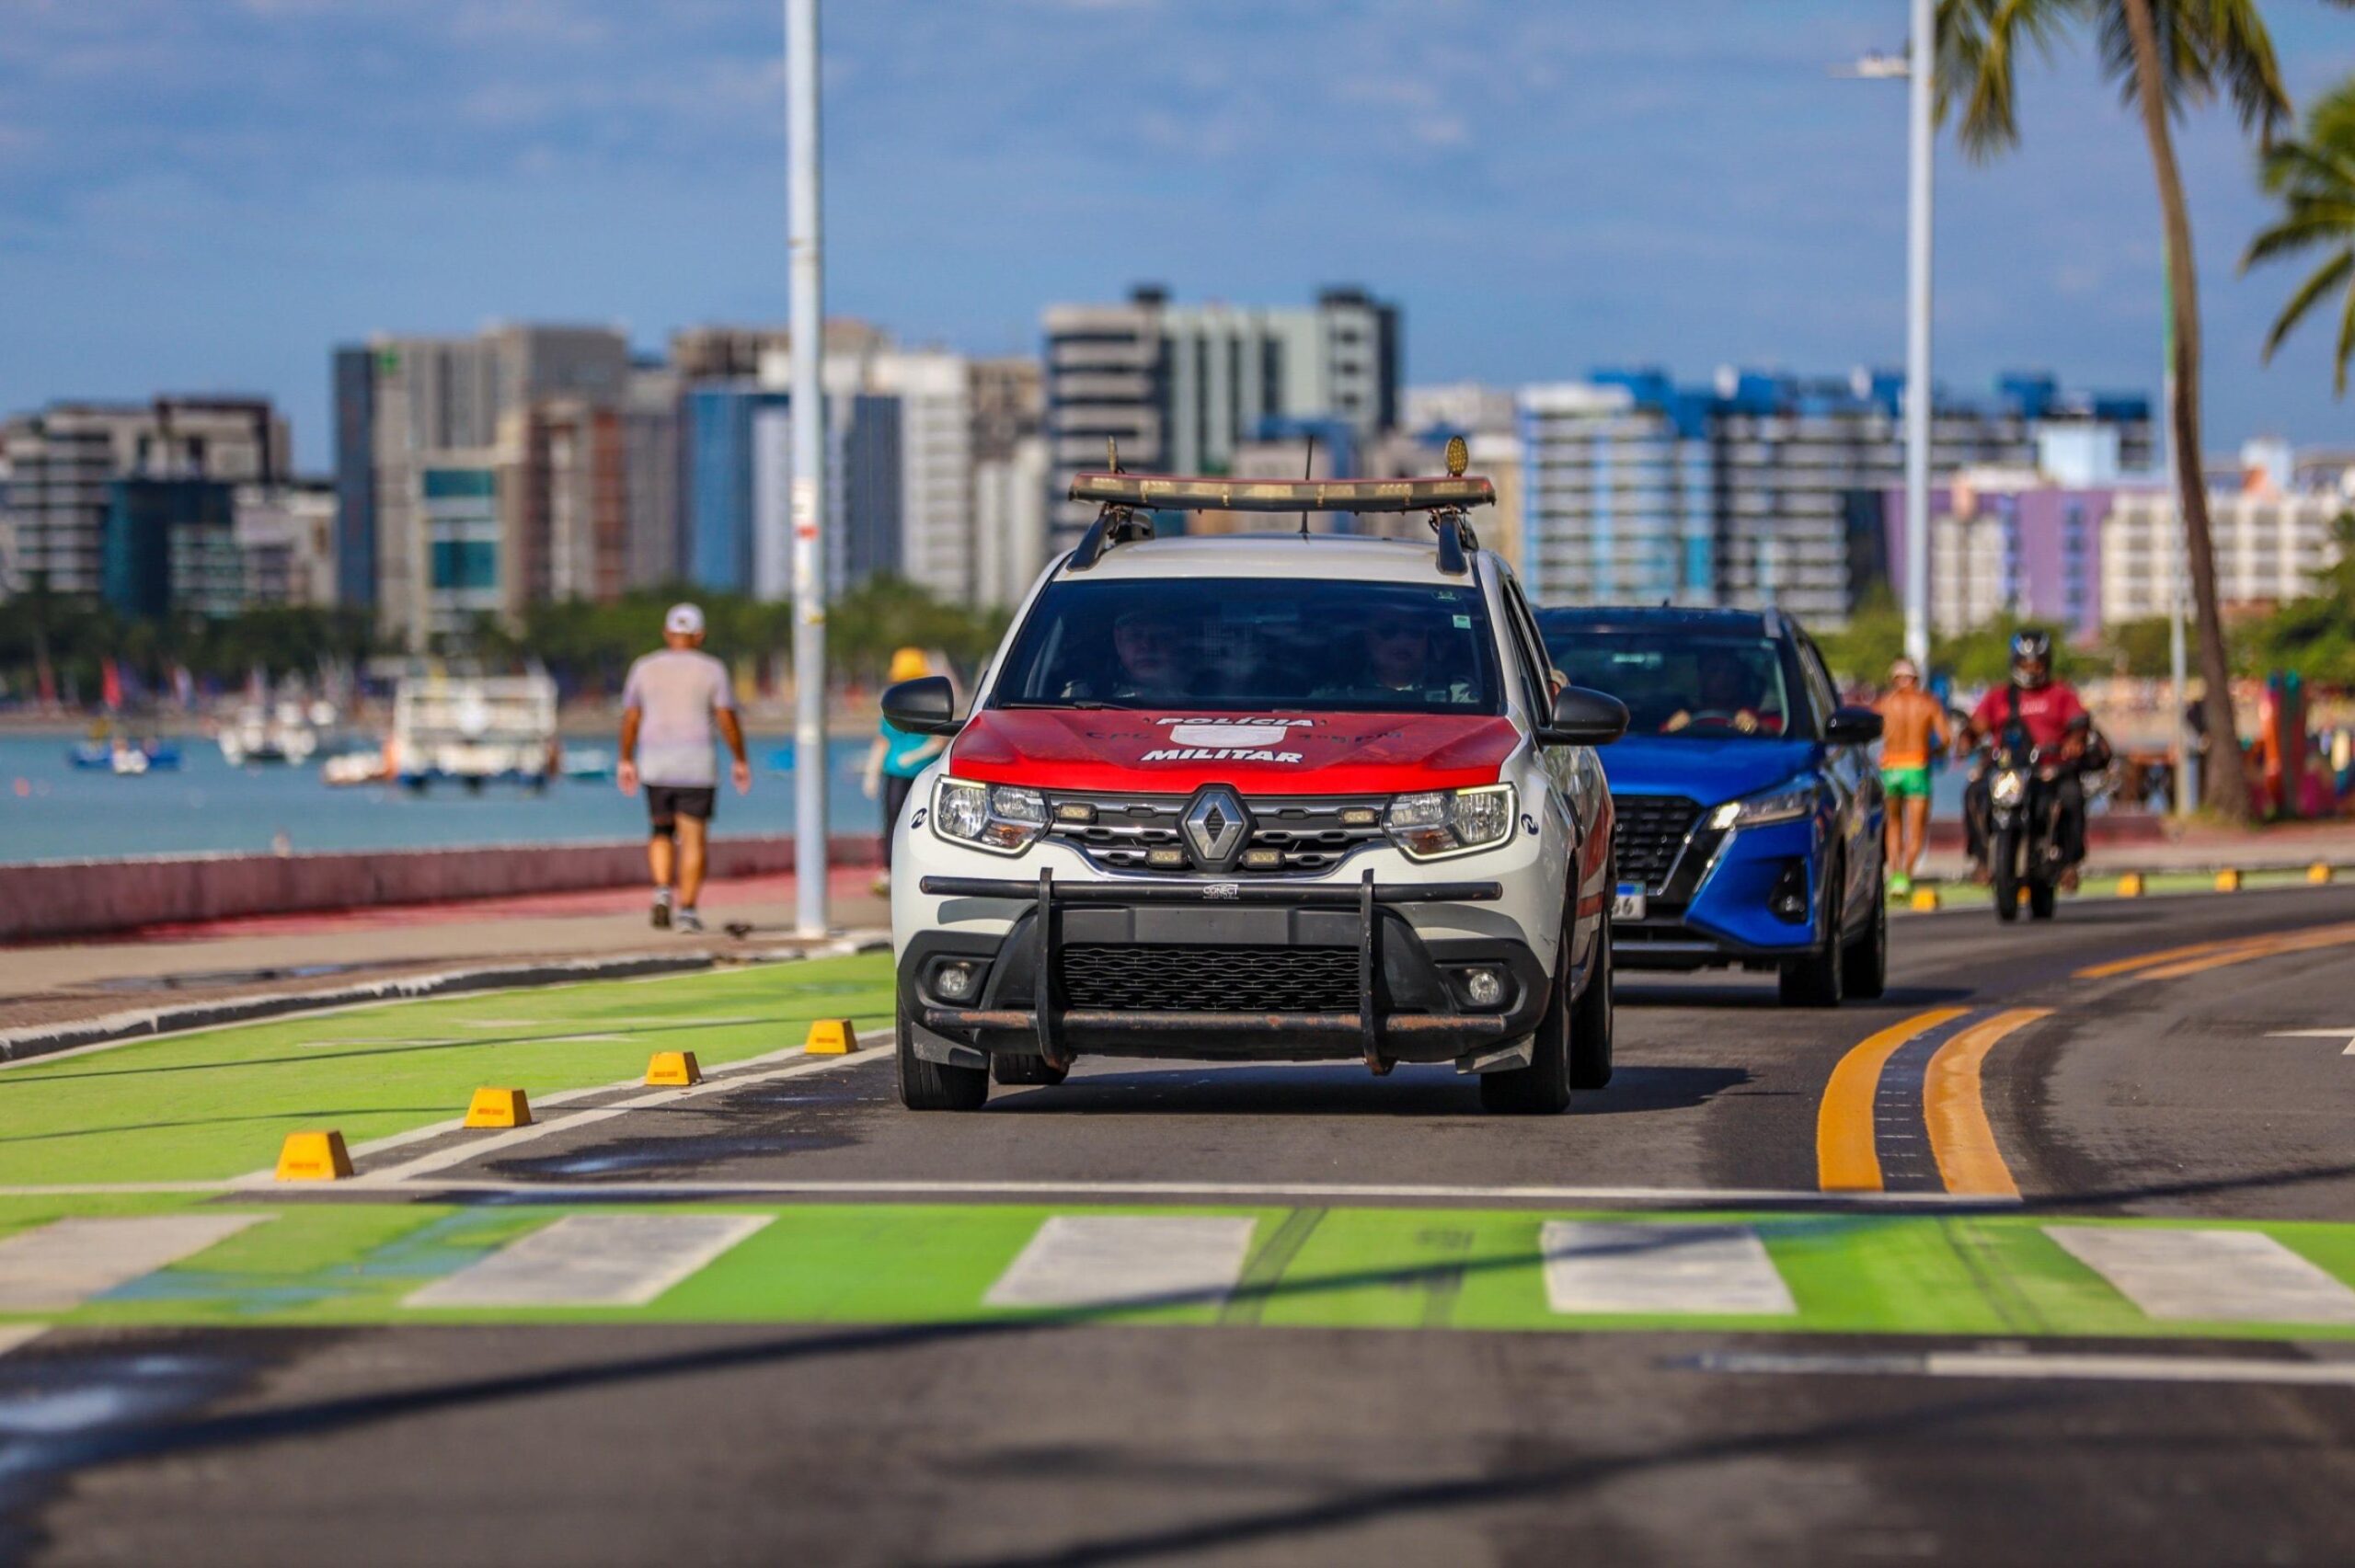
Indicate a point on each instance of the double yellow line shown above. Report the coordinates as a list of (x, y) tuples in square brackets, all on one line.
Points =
[(1846, 1157), (2174, 962)]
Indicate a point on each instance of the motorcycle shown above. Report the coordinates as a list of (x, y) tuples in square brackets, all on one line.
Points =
[(2023, 826)]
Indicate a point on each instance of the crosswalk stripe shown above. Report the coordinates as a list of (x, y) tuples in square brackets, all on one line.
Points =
[(66, 1262), (1640, 1266), (592, 1260), (1101, 1260), (2211, 1275)]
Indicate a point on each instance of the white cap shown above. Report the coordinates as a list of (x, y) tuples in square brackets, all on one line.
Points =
[(683, 619)]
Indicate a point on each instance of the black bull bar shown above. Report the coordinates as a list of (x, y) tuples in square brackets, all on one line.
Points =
[(1042, 1018)]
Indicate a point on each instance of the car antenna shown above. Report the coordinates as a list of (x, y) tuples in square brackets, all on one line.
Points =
[(1307, 472)]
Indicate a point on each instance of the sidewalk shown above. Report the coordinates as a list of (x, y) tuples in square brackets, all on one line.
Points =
[(267, 956)]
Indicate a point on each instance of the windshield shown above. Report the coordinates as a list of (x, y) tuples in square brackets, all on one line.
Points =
[(1254, 645), (1676, 684)]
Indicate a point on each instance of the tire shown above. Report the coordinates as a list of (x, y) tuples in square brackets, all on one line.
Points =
[(1864, 967), (1016, 1070), (2041, 897), (2003, 864), (1592, 1017), (1820, 979), (1543, 1088), (936, 1086)]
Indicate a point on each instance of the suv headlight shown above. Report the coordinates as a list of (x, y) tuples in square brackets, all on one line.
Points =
[(1785, 803), (1451, 822), (1002, 818)]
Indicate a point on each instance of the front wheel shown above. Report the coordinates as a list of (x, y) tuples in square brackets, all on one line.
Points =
[(1543, 1088), (1820, 979), (2003, 862), (933, 1085), (1866, 963), (1590, 1015)]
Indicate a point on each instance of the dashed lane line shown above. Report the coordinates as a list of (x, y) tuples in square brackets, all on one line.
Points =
[(2208, 1276), (1101, 1260), (1956, 1109), (593, 1260), (1847, 1159), (1617, 1266), (59, 1265), (2054, 1366)]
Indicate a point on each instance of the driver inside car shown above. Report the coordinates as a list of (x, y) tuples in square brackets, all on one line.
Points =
[(1726, 698), (1400, 662), (1149, 646)]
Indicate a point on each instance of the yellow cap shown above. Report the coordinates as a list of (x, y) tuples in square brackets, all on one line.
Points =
[(909, 664)]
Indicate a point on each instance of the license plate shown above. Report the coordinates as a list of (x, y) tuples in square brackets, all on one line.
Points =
[(1627, 904)]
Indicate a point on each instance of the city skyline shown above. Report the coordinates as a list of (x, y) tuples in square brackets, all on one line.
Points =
[(206, 198)]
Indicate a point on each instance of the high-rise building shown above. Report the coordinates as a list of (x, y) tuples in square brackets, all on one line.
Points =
[(652, 478), (63, 461), (2270, 546), (1009, 455), (170, 548), (563, 502), (418, 400), (1180, 387), (286, 540), (1760, 491), (738, 441)]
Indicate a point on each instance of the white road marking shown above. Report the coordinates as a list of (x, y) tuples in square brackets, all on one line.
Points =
[(2344, 1032), (14, 1335), (1642, 1266), (1103, 1260), (2058, 1368), (2243, 1276), (63, 1263), (592, 1260)]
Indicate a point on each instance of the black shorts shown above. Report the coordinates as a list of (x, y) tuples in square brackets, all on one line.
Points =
[(665, 804)]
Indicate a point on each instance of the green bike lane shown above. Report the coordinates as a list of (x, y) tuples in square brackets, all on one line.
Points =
[(209, 1109)]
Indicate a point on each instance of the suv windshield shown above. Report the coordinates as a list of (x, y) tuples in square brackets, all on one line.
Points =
[(1677, 684), (1254, 645)]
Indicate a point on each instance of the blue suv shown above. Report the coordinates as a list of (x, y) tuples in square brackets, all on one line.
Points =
[(1749, 811)]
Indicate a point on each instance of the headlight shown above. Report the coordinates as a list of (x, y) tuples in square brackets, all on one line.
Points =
[(1444, 822), (1002, 818), (2007, 788), (1787, 802)]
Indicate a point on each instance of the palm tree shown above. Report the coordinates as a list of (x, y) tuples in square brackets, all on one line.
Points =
[(2314, 177), (2164, 55)]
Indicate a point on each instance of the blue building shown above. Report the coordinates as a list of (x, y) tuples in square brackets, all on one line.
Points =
[(738, 443), (170, 547)]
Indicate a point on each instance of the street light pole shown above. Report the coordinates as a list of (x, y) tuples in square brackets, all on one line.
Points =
[(808, 489), (1920, 96)]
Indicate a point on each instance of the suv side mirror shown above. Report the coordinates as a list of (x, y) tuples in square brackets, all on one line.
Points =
[(1584, 717), (1853, 726), (926, 707)]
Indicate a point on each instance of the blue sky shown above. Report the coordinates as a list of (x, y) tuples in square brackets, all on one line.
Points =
[(205, 195)]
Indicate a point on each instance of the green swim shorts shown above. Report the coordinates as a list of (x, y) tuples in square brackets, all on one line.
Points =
[(1899, 783)]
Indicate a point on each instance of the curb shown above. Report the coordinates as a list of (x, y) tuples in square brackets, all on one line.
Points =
[(35, 1040)]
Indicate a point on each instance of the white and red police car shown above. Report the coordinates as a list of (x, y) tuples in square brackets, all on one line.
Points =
[(1261, 798)]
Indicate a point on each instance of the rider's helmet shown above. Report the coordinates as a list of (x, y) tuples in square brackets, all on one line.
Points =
[(2031, 657)]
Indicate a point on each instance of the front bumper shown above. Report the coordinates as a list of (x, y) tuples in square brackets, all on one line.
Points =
[(1717, 906), (1408, 1002)]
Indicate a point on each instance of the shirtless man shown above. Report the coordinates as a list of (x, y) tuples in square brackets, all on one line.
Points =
[(1911, 720)]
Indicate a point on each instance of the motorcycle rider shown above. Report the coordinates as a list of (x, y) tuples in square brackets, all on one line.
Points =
[(2059, 727)]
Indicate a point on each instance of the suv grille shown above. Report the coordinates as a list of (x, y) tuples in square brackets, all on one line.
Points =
[(1650, 831), (1210, 979), (1306, 832)]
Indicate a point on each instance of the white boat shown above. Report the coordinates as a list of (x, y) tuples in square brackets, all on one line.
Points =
[(473, 730), (261, 732)]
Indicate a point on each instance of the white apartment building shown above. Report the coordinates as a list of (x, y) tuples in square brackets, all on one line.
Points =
[(285, 537), (2269, 547), (1010, 521)]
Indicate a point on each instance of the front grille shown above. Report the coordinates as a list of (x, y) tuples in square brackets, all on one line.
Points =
[(1209, 979), (1306, 832), (1648, 832)]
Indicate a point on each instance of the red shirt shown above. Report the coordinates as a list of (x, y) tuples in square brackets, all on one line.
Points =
[(2045, 712)]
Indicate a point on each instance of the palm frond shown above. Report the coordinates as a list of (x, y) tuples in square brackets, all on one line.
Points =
[(2306, 170), (2299, 232), (2205, 47), (1978, 44), (2346, 338), (2328, 276)]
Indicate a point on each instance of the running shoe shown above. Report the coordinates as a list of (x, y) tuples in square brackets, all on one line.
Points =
[(661, 916), (687, 919)]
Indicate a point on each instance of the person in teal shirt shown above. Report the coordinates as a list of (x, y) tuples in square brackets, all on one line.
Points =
[(897, 757)]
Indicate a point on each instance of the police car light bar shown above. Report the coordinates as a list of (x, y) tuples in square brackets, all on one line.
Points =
[(1165, 492)]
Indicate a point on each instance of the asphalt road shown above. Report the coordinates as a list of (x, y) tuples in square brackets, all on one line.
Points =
[(2189, 1077)]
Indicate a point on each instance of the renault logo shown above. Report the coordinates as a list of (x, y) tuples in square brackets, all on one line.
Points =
[(1215, 826)]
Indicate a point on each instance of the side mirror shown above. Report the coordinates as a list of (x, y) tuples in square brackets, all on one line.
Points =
[(1584, 717), (1853, 726), (926, 707)]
